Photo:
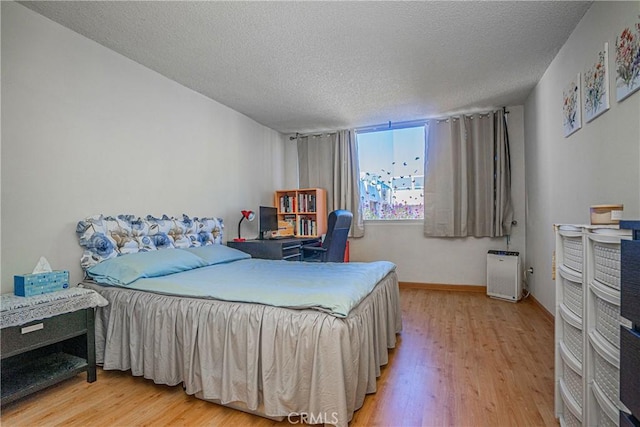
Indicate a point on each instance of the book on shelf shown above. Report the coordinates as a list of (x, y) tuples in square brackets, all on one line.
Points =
[(307, 202), (312, 203), (287, 204), (307, 227)]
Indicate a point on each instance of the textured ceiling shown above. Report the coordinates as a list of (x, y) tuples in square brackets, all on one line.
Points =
[(311, 66)]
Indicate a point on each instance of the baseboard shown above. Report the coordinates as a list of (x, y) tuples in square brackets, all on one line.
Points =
[(443, 287), (548, 315)]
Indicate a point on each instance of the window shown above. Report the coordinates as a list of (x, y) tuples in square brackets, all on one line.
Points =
[(392, 173)]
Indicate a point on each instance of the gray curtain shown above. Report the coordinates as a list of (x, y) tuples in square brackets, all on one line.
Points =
[(468, 177), (330, 161)]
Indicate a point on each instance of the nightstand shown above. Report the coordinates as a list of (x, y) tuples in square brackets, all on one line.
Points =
[(46, 339)]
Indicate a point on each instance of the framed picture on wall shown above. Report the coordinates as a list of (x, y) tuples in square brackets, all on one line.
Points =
[(571, 117), (628, 62), (596, 86)]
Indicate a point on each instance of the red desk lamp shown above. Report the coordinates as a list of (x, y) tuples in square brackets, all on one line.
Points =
[(250, 215)]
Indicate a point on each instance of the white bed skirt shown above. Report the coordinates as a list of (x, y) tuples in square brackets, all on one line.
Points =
[(270, 360)]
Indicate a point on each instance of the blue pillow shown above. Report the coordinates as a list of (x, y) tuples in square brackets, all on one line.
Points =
[(217, 254), (125, 269)]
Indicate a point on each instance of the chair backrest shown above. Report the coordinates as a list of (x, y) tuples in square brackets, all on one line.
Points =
[(335, 242)]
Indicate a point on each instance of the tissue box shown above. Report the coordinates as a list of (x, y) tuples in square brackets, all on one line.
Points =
[(26, 285), (605, 214)]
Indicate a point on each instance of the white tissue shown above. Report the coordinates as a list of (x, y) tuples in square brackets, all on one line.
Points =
[(42, 266)]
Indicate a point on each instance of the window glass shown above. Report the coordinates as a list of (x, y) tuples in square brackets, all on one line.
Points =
[(392, 173)]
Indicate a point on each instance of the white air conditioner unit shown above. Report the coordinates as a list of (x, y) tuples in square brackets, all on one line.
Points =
[(503, 275)]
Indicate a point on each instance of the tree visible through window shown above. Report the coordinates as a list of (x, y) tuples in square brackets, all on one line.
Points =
[(392, 173)]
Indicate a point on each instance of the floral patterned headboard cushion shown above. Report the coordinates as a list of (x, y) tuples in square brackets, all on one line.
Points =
[(104, 237)]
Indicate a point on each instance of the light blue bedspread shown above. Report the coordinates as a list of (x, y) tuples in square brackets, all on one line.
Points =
[(333, 287)]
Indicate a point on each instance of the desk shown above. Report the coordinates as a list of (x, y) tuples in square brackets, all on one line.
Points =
[(287, 249)]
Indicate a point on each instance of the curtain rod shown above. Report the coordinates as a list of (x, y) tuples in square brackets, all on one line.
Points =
[(314, 134), (389, 125), (399, 125)]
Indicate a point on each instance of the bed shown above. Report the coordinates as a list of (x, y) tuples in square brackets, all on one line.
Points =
[(275, 338)]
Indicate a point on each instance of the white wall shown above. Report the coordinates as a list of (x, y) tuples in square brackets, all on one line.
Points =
[(599, 164), (88, 131), (460, 261), (291, 162)]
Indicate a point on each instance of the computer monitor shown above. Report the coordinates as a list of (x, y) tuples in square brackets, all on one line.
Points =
[(268, 221)]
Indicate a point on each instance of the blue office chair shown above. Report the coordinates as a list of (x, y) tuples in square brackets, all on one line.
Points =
[(335, 241)]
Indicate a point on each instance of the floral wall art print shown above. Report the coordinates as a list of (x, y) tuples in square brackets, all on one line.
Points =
[(628, 62), (596, 86), (571, 117)]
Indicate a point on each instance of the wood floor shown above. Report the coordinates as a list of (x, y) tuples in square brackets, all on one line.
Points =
[(462, 359)]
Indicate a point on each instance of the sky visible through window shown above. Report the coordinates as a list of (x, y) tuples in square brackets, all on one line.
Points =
[(392, 173)]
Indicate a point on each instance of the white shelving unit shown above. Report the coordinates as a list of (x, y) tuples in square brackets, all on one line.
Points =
[(588, 324)]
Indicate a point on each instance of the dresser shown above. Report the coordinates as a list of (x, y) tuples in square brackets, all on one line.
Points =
[(590, 350), (46, 339)]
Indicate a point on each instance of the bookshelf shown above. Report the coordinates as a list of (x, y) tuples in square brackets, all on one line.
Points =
[(302, 212)]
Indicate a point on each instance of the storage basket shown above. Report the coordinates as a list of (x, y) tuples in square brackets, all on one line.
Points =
[(573, 339), (607, 263), (569, 419), (572, 295), (603, 414), (607, 320), (602, 419), (607, 377), (573, 382), (572, 252)]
